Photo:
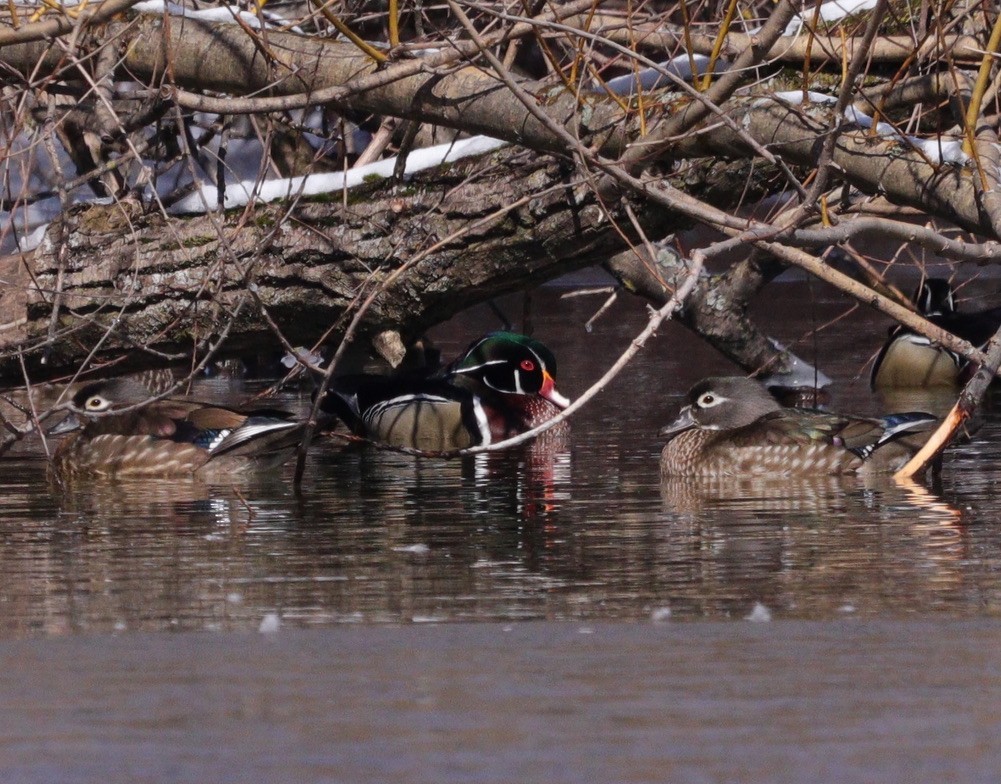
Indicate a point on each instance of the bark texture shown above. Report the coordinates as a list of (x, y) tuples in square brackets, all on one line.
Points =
[(130, 279), (123, 277)]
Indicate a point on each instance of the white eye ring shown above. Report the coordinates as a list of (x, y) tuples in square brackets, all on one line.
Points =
[(96, 403), (709, 399)]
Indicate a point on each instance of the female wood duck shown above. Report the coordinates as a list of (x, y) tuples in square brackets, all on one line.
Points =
[(167, 438), (732, 426), (501, 386), (910, 360)]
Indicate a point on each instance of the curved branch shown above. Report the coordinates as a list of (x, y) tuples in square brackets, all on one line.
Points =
[(891, 167), (825, 49), (40, 31)]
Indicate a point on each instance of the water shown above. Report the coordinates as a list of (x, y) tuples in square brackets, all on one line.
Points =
[(547, 701), (555, 613)]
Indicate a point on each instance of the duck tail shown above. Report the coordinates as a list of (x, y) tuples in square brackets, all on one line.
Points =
[(898, 426), (259, 435)]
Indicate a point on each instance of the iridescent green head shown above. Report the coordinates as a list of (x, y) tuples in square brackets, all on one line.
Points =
[(512, 364)]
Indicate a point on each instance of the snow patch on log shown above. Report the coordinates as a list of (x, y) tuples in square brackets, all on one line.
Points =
[(940, 149), (205, 198)]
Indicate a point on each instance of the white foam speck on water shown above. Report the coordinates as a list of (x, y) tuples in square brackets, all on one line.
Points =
[(270, 624), (485, 563), (847, 608), (760, 614), (585, 630), (660, 614), (419, 549)]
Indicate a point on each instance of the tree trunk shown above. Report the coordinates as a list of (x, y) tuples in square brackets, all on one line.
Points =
[(131, 280)]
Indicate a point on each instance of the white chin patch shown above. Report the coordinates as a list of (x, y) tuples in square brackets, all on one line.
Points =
[(556, 398)]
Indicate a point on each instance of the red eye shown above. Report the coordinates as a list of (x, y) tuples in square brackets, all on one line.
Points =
[(527, 365)]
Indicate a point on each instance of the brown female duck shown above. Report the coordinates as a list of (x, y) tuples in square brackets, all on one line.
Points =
[(116, 434), (732, 426)]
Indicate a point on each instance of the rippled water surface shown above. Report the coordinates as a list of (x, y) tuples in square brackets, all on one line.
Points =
[(581, 538)]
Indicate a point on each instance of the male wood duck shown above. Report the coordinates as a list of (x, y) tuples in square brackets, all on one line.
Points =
[(501, 386), (732, 426), (909, 360), (167, 438)]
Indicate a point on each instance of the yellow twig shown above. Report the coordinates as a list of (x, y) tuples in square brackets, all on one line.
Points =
[(980, 87), (938, 441), (46, 5), (394, 23), (686, 29), (825, 215), (348, 33), (731, 10)]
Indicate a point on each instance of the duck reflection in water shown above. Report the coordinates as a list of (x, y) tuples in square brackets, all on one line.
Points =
[(501, 386), (827, 544), (524, 484), (183, 505)]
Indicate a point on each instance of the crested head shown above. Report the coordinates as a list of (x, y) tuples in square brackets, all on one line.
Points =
[(507, 346), (727, 402), (935, 297), (512, 364)]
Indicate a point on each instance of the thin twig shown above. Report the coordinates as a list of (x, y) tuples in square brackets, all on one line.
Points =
[(980, 87), (62, 25), (845, 97), (336, 94), (657, 317), (394, 23), (348, 33)]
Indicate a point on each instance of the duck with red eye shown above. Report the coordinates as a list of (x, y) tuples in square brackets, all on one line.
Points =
[(116, 432), (501, 386), (513, 376)]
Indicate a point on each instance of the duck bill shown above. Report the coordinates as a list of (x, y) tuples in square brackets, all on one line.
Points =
[(68, 425), (549, 392), (685, 421)]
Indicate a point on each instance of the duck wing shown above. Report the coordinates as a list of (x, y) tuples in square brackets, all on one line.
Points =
[(418, 413), (861, 436)]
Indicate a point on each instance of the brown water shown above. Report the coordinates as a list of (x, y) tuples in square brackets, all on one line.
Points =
[(400, 591)]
